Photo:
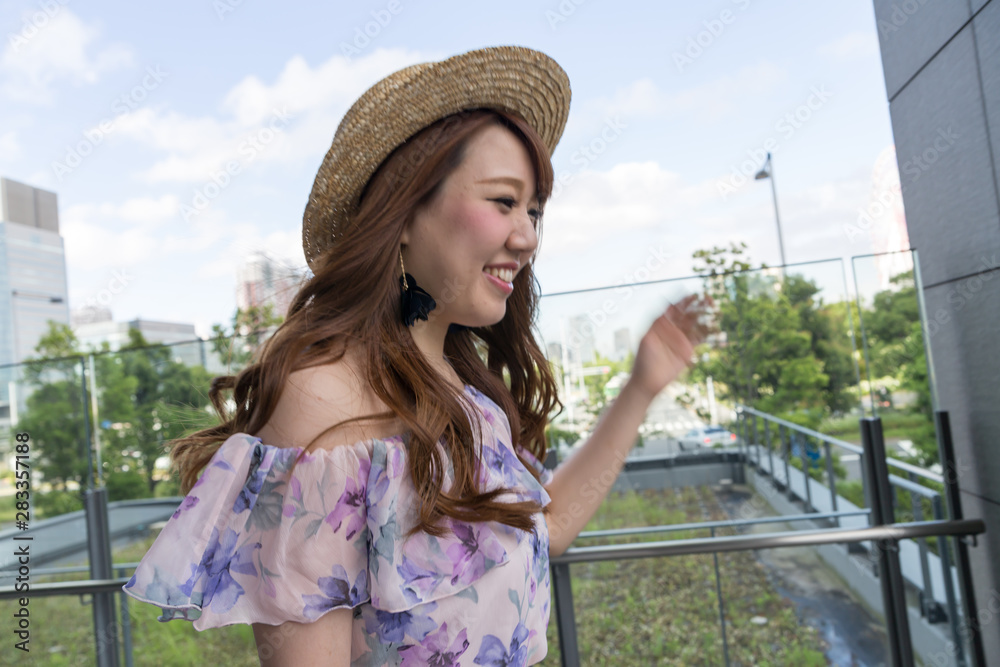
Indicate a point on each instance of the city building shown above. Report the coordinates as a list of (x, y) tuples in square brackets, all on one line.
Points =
[(263, 280), (941, 64), (33, 287), (554, 352), (623, 343), (190, 350), (580, 342)]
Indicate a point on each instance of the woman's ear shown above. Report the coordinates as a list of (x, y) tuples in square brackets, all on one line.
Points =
[(404, 237)]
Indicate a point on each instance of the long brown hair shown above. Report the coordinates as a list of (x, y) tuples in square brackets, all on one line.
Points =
[(355, 297)]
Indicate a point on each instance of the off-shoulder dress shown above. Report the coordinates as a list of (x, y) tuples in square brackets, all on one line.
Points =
[(251, 544)]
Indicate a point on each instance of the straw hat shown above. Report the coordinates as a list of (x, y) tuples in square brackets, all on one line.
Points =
[(514, 79)]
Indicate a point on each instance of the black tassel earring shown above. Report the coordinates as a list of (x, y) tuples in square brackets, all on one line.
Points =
[(416, 302)]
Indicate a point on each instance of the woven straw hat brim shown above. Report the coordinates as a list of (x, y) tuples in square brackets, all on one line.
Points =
[(514, 79)]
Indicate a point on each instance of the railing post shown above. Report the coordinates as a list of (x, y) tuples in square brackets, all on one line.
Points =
[(722, 608), (805, 473), (95, 504), (946, 448), (126, 622), (944, 552), (99, 552), (786, 439), (767, 443), (928, 605), (755, 438), (562, 591), (833, 480), (897, 623), (741, 421)]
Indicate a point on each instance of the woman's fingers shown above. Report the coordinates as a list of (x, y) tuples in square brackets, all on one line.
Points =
[(692, 315)]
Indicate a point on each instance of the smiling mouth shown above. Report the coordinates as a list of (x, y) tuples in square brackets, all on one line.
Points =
[(506, 275)]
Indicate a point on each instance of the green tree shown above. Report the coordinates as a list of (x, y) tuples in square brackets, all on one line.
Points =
[(146, 397), (595, 384), (168, 398), (766, 355), (55, 408), (249, 329)]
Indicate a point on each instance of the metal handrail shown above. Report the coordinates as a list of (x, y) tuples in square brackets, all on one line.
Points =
[(895, 463), (705, 525), (56, 588), (642, 550), (893, 531)]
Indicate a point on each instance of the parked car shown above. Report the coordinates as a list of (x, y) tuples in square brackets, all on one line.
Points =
[(706, 436)]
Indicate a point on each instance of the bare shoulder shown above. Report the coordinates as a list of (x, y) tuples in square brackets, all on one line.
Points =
[(316, 398)]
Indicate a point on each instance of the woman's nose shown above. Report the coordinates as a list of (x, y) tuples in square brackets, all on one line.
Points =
[(524, 238)]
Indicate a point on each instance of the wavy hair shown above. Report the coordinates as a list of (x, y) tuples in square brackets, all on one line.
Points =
[(355, 297)]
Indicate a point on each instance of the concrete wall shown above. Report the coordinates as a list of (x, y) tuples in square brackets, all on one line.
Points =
[(941, 60)]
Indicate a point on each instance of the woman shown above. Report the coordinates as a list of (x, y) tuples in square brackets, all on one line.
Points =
[(377, 497)]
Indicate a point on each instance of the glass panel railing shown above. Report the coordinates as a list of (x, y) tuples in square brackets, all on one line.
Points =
[(779, 377), (900, 390)]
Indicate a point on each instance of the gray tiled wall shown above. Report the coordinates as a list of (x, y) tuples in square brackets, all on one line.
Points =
[(942, 73)]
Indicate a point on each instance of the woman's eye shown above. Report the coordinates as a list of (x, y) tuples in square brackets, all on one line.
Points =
[(536, 214)]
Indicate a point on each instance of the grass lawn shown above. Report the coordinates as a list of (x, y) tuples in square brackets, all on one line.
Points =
[(664, 611), (634, 612), (7, 509), (895, 424), (62, 632)]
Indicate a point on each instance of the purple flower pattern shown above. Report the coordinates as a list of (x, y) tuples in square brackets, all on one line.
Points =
[(222, 557), (258, 544), (435, 650), (336, 591)]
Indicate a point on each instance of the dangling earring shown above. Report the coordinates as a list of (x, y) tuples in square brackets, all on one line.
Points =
[(416, 303)]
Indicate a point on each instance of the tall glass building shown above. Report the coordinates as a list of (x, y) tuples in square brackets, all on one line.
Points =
[(33, 285)]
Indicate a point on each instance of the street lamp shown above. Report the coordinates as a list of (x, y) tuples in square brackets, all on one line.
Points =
[(767, 171)]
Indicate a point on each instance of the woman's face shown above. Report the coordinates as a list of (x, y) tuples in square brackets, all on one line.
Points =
[(482, 218)]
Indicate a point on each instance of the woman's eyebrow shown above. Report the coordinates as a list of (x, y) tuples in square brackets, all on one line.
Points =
[(510, 180)]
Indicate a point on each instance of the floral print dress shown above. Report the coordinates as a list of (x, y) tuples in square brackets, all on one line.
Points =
[(252, 544)]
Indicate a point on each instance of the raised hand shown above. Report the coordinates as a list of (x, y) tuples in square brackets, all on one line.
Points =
[(668, 347)]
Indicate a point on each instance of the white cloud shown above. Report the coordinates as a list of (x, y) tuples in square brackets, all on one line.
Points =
[(284, 246), (852, 45), (93, 245), (102, 236), (305, 103), (709, 101), (9, 147), (656, 209), (628, 197), (63, 47)]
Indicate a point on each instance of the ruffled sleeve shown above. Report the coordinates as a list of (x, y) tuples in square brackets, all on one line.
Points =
[(544, 473), (252, 544)]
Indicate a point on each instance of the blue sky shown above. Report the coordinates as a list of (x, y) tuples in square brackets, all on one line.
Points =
[(169, 93)]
